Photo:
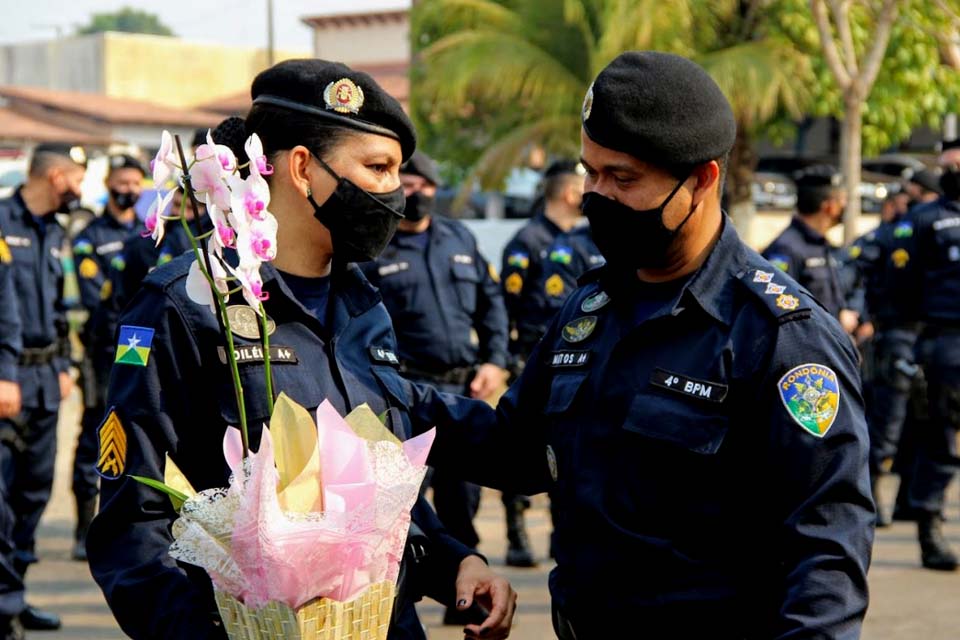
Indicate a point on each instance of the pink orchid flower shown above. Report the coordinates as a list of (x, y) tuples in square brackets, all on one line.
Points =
[(155, 219), (258, 161), (198, 288), (252, 285), (166, 162), (226, 235)]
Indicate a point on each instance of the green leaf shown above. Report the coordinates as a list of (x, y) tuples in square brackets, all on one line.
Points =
[(176, 498)]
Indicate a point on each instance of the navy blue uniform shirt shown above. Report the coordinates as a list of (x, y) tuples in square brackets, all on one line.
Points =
[(930, 258), (10, 330), (708, 462), (569, 256), (810, 259), (35, 244), (528, 306), (882, 257), (438, 290), (141, 255), (180, 404)]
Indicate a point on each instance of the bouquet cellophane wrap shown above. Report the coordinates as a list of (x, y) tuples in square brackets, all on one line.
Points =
[(307, 539), (367, 617)]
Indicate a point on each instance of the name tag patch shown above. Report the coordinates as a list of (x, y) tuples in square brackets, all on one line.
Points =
[(382, 354), (110, 247), (568, 359), (19, 241), (254, 353), (690, 387), (390, 269)]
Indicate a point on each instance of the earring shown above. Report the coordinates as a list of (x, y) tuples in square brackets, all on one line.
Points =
[(309, 192)]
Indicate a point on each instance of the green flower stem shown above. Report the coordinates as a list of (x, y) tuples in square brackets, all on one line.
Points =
[(203, 261), (265, 338)]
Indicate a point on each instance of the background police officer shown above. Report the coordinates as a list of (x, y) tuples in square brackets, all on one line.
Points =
[(94, 250), (930, 256), (35, 240), (804, 252), (684, 385), (11, 584), (448, 314), (530, 306)]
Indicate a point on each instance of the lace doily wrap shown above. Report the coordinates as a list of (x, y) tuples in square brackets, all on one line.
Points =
[(258, 553)]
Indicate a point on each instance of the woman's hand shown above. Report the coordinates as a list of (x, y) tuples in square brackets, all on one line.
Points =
[(476, 582)]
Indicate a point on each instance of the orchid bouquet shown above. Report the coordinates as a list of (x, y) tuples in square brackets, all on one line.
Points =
[(307, 539)]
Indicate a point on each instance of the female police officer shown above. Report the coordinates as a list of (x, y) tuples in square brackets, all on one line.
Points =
[(336, 141)]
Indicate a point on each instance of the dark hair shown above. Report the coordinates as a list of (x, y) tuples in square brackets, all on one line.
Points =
[(811, 198), (43, 161)]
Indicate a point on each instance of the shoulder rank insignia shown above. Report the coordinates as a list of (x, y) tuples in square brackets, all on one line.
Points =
[(788, 302), (514, 284), (580, 329), (493, 273), (763, 276), (811, 395), (554, 286), (519, 260), (112, 458), (343, 96), (774, 289), (5, 256), (596, 301), (900, 258), (245, 322), (88, 268), (133, 347), (106, 290)]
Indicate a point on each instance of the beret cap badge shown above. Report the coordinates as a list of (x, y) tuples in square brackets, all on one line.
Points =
[(343, 96), (588, 103)]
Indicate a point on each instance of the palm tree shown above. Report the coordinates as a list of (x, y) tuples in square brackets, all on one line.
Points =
[(500, 76)]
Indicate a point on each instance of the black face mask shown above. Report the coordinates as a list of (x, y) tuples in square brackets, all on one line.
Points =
[(124, 200), (630, 239), (950, 183), (419, 206), (69, 202), (360, 223)]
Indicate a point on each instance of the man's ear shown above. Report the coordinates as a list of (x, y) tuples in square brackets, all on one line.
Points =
[(707, 174)]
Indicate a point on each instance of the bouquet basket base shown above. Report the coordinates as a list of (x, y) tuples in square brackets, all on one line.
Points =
[(367, 617)]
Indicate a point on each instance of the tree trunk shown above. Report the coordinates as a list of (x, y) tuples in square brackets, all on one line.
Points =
[(739, 188), (850, 150)]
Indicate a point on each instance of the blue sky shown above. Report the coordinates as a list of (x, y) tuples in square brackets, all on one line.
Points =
[(233, 22)]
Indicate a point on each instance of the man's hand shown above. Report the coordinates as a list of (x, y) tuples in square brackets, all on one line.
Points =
[(66, 384), (849, 319), (489, 379), (9, 399), (864, 332), (476, 582)]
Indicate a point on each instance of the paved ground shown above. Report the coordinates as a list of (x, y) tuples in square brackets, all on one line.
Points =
[(907, 602)]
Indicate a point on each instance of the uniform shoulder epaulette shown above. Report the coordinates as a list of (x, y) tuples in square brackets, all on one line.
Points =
[(164, 276), (779, 293)]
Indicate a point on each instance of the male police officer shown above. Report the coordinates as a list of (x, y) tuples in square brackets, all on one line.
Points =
[(94, 250), (11, 585), (931, 261), (693, 411), (804, 252), (440, 293), (529, 302), (35, 238)]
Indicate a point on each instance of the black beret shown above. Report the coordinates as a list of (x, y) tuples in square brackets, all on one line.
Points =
[(563, 167), (70, 151), (928, 179), (420, 164), (818, 175), (336, 93), (125, 161), (660, 108)]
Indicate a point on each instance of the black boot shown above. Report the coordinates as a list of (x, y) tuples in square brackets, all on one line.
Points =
[(883, 520), (518, 551), (34, 619), (86, 509), (934, 550)]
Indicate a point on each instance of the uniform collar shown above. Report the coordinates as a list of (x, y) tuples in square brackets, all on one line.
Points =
[(348, 285), (712, 286), (809, 233), (542, 218)]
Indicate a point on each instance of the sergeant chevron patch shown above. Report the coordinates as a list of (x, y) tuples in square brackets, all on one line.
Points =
[(112, 459)]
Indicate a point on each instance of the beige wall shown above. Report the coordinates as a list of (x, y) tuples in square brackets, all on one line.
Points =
[(177, 73), (359, 44)]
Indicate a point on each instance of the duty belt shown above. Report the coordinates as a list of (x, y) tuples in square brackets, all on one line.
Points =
[(457, 375), (39, 355)]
